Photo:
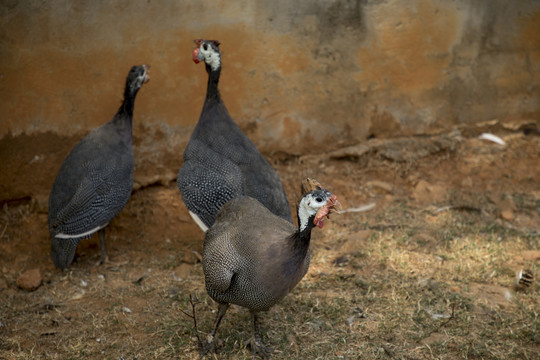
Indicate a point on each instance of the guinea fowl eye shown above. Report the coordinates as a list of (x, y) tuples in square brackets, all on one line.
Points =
[(318, 199), (205, 47)]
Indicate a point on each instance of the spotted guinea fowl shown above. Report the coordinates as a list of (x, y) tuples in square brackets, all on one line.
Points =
[(254, 258), (95, 180), (220, 162)]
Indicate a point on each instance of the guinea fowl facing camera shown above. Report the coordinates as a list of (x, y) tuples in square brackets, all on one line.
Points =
[(220, 162), (254, 258), (95, 180)]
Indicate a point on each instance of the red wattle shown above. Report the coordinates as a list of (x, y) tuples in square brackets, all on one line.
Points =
[(195, 57)]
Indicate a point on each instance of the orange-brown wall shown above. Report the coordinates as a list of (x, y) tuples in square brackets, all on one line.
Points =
[(298, 77)]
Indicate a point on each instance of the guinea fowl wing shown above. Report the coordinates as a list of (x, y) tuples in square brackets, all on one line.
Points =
[(208, 180), (91, 186), (67, 219), (218, 142), (259, 178)]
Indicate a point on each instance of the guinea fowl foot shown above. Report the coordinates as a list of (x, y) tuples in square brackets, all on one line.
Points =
[(209, 347), (258, 348), (106, 261)]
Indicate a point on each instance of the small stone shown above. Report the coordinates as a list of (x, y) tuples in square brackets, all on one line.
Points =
[(30, 280), (507, 215), (182, 271), (79, 295), (190, 257), (426, 193)]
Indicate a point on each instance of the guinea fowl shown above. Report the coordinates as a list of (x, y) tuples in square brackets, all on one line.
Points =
[(95, 180), (220, 162), (254, 258)]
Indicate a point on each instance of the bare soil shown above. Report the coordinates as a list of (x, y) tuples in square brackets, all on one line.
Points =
[(421, 265)]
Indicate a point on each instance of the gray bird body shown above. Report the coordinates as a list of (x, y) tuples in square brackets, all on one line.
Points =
[(93, 183), (221, 163), (250, 258), (253, 258)]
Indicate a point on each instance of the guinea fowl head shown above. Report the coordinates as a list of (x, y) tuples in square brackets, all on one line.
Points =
[(314, 207), (207, 51), (137, 76)]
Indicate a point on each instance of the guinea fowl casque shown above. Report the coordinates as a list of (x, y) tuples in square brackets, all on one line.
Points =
[(254, 258), (220, 162), (95, 180)]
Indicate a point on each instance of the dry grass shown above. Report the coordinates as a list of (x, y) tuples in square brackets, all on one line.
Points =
[(434, 287), (404, 281)]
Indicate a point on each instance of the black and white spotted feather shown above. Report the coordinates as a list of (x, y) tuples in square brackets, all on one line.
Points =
[(254, 258), (220, 162), (95, 180)]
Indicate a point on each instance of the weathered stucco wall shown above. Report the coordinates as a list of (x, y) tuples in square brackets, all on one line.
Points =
[(297, 76)]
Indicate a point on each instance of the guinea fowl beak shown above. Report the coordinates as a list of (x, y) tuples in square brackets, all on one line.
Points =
[(331, 206)]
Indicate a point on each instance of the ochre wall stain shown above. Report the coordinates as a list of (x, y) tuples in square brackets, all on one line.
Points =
[(410, 46), (297, 77)]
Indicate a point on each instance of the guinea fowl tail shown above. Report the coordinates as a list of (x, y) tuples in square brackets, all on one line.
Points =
[(63, 251)]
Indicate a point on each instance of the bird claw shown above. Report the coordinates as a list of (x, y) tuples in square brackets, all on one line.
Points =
[(209, 347), (106, 261), (257, 347)]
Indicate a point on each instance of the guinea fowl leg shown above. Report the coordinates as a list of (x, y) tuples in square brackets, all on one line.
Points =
[(257, 347), (104, 257), (211, 340)]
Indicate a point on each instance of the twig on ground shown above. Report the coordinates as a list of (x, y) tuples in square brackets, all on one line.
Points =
[(194, 317), (382, 227), (457, 207), (450, 318), (358, 209)]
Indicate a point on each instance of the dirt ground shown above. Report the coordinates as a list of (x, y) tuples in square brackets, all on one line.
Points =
[(421, 264)]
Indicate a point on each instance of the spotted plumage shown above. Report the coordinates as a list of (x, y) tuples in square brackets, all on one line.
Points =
[(220, 162), (254, 258), (95, 180)]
